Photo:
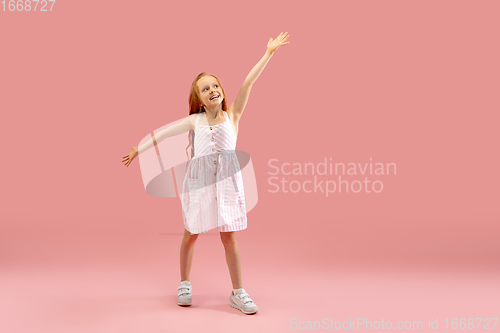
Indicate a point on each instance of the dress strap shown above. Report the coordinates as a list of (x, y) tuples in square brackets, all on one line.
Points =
[(226, 116), (198, 118)]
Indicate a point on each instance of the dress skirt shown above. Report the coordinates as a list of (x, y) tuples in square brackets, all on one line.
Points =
[(213, 194)]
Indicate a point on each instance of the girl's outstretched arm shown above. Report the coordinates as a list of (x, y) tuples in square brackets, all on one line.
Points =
[(241, 100), (179, 128), (183, 126)]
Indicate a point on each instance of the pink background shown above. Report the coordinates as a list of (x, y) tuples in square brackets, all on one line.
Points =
[(85, 249)]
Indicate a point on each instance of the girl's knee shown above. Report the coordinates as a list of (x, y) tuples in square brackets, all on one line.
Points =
[(190, 238), (228, 238)]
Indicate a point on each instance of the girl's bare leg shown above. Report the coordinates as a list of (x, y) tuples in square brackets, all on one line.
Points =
[(232, 257), (187, 250)]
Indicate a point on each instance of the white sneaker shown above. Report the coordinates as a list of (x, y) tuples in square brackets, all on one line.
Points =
[(243, 302), (184, 294)]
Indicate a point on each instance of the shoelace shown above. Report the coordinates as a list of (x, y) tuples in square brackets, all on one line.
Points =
[(187, 291), (241, 296)]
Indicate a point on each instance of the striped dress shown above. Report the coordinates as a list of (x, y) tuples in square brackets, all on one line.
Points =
[(212, 192)]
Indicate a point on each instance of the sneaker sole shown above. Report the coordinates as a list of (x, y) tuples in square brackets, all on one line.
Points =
[(237, 307), (185, 303)]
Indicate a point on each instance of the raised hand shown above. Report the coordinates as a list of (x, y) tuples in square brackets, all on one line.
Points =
[(127, 159), (273, 45)]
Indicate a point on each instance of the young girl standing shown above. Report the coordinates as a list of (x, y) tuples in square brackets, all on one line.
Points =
[(212, 191)]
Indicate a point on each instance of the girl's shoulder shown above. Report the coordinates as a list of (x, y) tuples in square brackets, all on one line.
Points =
[(192, 118)]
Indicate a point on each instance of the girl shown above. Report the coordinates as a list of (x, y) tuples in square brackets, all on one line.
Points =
[(212, 191)]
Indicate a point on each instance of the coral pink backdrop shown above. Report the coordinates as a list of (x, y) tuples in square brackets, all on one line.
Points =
[(84, 248)]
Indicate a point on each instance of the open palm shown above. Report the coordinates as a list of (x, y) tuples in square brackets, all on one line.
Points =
[(273, 45), (127, 159)]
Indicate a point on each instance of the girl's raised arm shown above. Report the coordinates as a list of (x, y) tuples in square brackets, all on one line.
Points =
[(241, 100)]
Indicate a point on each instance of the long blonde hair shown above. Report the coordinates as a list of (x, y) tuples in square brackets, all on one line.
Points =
[(195, 106)]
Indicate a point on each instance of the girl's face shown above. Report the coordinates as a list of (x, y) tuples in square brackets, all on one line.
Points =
[(210, 91)]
